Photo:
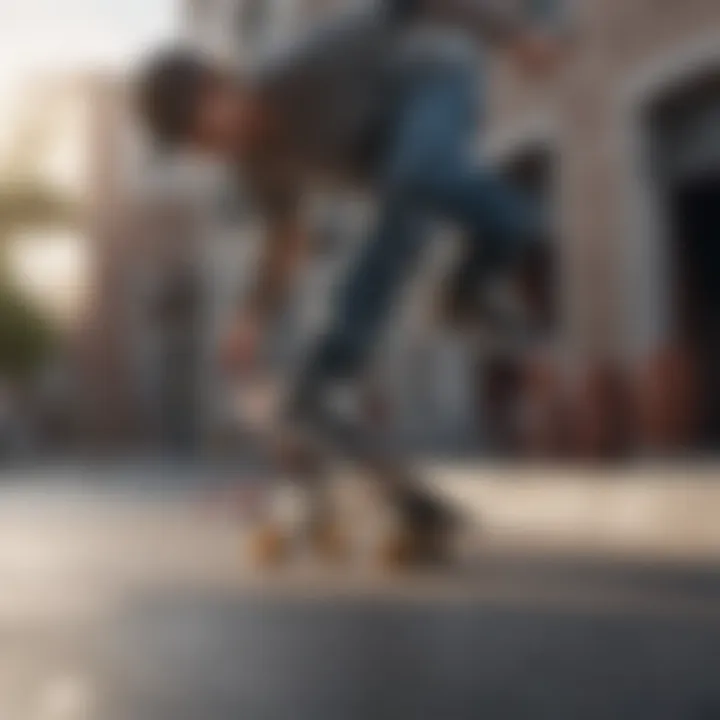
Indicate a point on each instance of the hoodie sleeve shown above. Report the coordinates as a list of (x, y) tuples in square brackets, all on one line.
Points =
[(493, 20)]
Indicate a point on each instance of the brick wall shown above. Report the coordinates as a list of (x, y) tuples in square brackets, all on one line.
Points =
[(613, 41), (615, 291)]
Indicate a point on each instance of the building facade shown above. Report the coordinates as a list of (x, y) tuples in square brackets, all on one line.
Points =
[(622, 146), (423, 372), (629, 129)]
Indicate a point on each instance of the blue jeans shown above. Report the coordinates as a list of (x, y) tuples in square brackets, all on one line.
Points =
[(427, 172)]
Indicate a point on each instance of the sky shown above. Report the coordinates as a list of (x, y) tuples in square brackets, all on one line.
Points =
[(49, 37), (58, 35), (52, 268)]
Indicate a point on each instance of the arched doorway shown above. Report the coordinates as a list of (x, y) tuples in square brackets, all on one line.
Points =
[(683, 131), (501, 372)]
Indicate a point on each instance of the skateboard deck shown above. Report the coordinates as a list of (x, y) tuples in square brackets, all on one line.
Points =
[(340, 497)]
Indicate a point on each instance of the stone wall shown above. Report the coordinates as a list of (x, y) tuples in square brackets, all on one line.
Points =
[(616, 287)]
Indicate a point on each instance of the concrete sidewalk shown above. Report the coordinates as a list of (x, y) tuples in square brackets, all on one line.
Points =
[(126, 596), (649, 512), (638, 513)]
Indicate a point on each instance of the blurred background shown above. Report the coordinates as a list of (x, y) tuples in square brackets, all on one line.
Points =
[(120, 270)]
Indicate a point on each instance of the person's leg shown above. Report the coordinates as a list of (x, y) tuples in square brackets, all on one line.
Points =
[(428, 170), (443, 177), (440, 173), (425, 171), (363, 302)]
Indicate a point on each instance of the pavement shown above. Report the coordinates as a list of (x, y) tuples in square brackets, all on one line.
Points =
[(659, 511), (124, 596)]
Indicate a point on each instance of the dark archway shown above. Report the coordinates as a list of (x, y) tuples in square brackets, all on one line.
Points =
[(684, 130), (501, 374)]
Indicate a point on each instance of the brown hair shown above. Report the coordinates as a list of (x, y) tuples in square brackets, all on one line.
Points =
[(169, 91)]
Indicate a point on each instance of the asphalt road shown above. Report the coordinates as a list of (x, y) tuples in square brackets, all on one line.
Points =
[(120, 607), (224, 658)]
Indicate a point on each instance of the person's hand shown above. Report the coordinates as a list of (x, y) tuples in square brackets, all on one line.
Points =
[(239, 347), (537, 53)]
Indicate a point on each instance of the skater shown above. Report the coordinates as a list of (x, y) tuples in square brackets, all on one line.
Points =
[(380, 98)]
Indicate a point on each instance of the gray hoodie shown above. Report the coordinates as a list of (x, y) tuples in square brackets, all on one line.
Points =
[(334, 87)]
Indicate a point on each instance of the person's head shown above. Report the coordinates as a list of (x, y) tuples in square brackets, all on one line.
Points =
[(538, 53), (185, 101)]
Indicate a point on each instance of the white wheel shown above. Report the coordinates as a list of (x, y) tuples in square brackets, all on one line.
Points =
[(268, 546)]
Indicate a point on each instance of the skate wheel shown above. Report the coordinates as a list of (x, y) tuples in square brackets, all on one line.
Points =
[(411, 548), (331, 543), (396, 551), (267, 547)]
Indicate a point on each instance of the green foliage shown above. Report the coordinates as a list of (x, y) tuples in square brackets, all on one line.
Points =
[(26, 336), (24, 205)]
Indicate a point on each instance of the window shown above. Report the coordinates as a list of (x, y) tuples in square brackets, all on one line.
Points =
[(254, 19), (533, 172)]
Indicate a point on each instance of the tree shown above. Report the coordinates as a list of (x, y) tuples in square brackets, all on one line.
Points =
[(26, 336), (27, 205)]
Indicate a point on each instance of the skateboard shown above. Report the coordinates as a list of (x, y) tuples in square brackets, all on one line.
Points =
[(340, 498)]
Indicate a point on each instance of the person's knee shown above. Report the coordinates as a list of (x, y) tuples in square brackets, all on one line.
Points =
[(416, 179), (340, 353)]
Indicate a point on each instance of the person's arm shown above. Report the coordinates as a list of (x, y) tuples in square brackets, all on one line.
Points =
[(280, 259), (494, 20), (520, 27), (498, 21), (281, 255)]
